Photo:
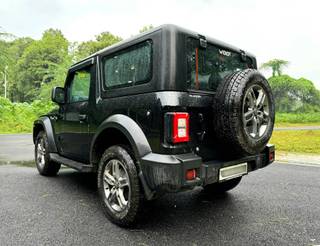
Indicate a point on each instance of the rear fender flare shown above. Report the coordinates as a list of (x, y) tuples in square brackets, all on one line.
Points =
[(138, 141), (130, 129)]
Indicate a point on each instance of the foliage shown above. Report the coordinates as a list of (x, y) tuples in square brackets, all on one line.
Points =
[(145, 28), (294, 95), (16, 50), (39, 63), (101, 41), (59, 76), (310, 118), (4, 56), (297, 141), (276, 65), (19, 117)]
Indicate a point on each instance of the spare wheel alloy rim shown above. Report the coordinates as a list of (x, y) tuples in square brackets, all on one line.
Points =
[(255, 112)]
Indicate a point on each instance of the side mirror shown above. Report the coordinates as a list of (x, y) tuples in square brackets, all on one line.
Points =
[(57, 95)]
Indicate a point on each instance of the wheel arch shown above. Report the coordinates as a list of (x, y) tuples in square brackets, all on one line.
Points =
[(122, 130), (119, 129), (44, 124)]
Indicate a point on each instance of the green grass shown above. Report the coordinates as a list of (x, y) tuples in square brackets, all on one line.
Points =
[(297, 141), (281, 124), (298, 118)]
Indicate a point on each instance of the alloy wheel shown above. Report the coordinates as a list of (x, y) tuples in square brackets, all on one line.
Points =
[(41, 152), (116, 185), (256, 112)]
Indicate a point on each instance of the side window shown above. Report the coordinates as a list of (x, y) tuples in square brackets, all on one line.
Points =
[(80, 85), (128, 67)]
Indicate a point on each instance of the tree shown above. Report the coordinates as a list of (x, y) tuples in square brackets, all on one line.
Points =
[(15, 52), (145, 28), (4, 58), (294, 95), (101, 41), (38, 63), (276, 65)]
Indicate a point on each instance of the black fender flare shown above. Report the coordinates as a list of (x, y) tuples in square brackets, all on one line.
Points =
[(137, 139), (130, 129), (45, 123)]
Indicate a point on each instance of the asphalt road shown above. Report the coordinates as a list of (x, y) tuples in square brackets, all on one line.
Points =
[(278, 205), (16, 148)]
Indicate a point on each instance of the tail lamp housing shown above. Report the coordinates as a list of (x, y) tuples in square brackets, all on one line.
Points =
[(177, 127)]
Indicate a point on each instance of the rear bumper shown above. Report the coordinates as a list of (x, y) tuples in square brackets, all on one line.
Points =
[(166, 173)]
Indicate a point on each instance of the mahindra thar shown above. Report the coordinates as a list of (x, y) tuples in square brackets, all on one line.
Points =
[(165, 111)]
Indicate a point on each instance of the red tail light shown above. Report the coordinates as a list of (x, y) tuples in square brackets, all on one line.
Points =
[(191, 174), (178, 127)]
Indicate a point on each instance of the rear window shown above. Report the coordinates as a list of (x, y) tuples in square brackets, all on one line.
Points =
[(208, 67), (128, 67)]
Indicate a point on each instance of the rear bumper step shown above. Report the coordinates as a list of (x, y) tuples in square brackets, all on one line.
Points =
[(167, 173)]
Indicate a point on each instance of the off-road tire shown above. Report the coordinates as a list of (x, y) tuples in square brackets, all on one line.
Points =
[(228, 113), (220, 188), (129, 216), (48, 167)]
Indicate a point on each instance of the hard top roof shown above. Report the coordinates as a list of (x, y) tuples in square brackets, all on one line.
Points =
[(166, 27)]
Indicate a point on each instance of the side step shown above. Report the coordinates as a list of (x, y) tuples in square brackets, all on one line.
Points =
[(71, 163)]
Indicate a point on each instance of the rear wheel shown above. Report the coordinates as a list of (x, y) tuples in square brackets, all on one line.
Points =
[(119, 187), (219, 188), (44, 165)]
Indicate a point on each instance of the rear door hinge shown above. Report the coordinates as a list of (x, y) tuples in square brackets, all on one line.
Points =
[(202, 41), (243, 55)]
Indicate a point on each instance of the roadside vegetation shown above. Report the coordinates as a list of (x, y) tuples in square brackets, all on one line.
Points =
[(297, 141), (297, 119), (19, 117)]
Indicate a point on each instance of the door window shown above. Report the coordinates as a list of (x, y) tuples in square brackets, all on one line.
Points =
[(80, 85)]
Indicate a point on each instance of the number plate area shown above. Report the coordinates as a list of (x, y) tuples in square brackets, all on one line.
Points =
[(233, 171)]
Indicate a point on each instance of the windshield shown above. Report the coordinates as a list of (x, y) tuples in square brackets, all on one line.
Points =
[(207, 67)]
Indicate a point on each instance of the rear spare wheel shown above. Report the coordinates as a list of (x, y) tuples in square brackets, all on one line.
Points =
[(244, 112)]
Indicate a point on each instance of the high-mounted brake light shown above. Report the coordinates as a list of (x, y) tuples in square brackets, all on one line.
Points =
[(178, 127)]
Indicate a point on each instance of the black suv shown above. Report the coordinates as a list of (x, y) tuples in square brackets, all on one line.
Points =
[(165, 111)]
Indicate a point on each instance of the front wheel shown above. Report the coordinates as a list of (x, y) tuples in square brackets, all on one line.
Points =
[(220, 188), (44, 165), (119, 187)]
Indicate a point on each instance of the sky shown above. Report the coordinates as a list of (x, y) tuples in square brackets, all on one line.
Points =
[(283, 29)]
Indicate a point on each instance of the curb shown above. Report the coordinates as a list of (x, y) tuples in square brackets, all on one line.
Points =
[(296, 163)]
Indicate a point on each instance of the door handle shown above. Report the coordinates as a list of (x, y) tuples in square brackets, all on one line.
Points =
[(82, 117)]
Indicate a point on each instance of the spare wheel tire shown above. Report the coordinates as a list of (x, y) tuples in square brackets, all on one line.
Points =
[(244, 112)]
